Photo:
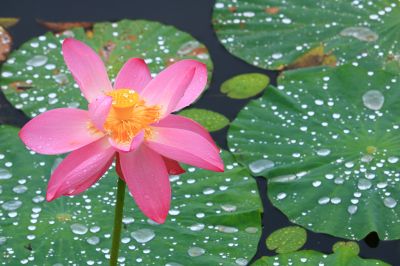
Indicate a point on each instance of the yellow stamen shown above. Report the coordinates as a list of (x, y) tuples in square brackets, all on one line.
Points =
[(128, 116)]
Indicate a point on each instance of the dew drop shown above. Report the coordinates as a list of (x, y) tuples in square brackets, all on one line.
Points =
[(241, 262), (79, 229), (352, 209), (373, 100), (316, 183), (143, 235), (367, 158), (196, 251), (11, 205), (364, 184), (5, 174), (283, 178), (20, 189), (251, 230), (393, 159), (336, 200), (323, 152), (281, 196), (360, 33), (128, 220), (38, 199), (382, 184), (259, 166), (93, 240), (61, 79), (208, 191), (174, 212), (324, 200), (370, 176), (94, 229), (3, 240), (200, 215), (37, 61), (226, 229), (349, 164), (228, 207), (187, 47), (390, 202), (197, 227), (173, 264)]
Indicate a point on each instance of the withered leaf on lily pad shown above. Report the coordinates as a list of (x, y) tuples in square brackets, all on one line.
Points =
[(63, 26)]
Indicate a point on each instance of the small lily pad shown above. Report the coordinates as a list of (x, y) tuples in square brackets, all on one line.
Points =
[(351, 247), (287, 239), (344, 255), (211, 120), (245, 85)]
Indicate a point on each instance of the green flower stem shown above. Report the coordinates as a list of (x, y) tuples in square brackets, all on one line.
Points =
[(119, 209)]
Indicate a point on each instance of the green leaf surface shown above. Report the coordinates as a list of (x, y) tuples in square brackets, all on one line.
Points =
[(35, 77), (214, 218), (245, 85), (211, 120), (274, 34), (343, 256), (328, 141), (287, 239)]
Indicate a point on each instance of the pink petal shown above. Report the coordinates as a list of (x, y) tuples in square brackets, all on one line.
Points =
[(177, 121), (133, 75), (147, 179), (99, 110), (185, 146), (118, 167), (173, 167), (197, 85), (59, 131), (169, 86), (80, 169), (87, 68), (136, 141)]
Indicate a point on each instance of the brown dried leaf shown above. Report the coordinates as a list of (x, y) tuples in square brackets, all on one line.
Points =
[(63, 26), (5, 44), (314, 57), (272, 10), (8, 22), (20, 86), (106, 50), (232, 9)]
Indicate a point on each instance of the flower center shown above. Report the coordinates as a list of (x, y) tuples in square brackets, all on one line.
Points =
[(128, 116)]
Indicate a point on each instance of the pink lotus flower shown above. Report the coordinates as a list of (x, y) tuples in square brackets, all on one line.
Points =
[(132, 121)]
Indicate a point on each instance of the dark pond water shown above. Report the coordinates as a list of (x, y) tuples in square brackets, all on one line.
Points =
[(193, 16)]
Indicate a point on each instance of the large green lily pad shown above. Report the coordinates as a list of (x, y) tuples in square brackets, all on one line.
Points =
[(275, 34), (215, 218), (35, 77), (328, 141), (343, 255)]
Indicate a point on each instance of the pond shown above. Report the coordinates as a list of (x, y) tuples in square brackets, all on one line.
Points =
[(311, 143)]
